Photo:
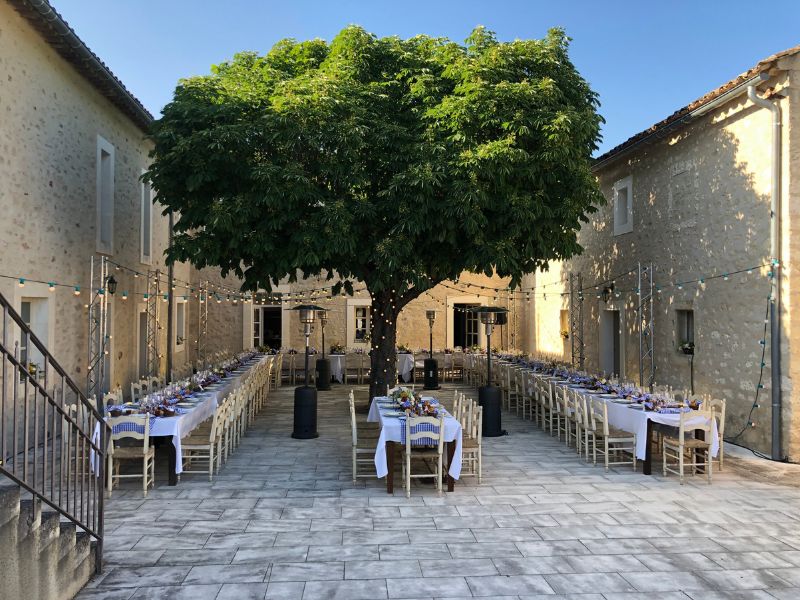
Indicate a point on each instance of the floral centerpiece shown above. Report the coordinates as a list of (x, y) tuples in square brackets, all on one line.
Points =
[(414, 403), (337, 349), (403, 349)]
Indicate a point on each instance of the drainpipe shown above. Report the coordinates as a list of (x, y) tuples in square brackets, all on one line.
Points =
[(170, 304), (777, 267)]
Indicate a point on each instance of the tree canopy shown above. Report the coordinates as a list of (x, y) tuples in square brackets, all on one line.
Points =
[(396, 162)]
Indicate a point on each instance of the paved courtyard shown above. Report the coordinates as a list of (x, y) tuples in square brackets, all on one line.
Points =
[(284, 521)]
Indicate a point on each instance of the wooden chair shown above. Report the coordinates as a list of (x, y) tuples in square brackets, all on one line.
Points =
[(472, 451), (198, 446), (683, 448), (424, 441), (136, 427), (136, 391), (613, 440), (718, 406), (362, 453), (353, 367)]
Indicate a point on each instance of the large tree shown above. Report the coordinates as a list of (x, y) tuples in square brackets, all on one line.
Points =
[(396, 163)]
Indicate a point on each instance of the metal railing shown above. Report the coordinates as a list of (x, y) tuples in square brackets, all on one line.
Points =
[(52, 438)]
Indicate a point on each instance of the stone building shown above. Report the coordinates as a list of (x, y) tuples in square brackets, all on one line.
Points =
[(691, 197), (74, 146)]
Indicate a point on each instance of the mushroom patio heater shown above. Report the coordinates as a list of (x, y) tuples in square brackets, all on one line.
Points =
[(431, 367), (323, 364), (305, 396), (489, 396)]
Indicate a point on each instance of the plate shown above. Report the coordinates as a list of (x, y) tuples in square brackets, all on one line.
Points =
[(189, 404), (393, 413)]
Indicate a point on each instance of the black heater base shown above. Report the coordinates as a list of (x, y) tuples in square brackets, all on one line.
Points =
[(323, 374), (491, 399), (431, 368), (305, 413)]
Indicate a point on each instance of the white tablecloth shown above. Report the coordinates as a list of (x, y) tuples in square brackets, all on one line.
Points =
[(337, 366), (405, 366), (391, 432), (635, 421), (182, 425)]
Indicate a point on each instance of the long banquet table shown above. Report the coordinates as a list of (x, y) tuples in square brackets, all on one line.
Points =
[(391, 433), (640, 422), (173, 429)]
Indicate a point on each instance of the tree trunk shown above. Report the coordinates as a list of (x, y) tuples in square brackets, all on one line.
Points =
[(383, 356)]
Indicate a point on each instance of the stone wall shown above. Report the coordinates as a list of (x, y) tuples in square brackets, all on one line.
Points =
[(700, 209)]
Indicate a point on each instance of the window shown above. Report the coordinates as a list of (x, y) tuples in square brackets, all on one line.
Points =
[(362, 323), (471, 327), (564, 322), (180, 323), (257, 327), (146, 229), (105, 196), (622, 201), (35, 313), (684, 322), (25, 313)]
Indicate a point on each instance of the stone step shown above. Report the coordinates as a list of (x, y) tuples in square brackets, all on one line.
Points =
[(9, 504), (66, 539)]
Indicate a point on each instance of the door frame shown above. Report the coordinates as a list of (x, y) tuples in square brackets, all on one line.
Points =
[(619, 307)]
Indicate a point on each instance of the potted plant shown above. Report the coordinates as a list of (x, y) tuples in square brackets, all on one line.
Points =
[(687, 348), (565, 333)]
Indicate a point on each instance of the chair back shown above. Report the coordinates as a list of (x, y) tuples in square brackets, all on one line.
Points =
[(700, 419), (600, 416), (717, 405), (135, 427), (424, 431), (136, 391), (353, 360), (353, 424), (113, 397), (476, 429)]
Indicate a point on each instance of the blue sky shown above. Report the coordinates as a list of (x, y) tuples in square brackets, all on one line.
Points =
[(646, 58)]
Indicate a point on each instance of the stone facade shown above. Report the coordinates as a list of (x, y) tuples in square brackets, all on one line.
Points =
[(700, 208), (55, 123)]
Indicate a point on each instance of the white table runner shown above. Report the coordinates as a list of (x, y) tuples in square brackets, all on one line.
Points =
[(391, 431)]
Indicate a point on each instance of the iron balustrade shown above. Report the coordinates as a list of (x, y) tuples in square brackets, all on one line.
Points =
[(52, 438)]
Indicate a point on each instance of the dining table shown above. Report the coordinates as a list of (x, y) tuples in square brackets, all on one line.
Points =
[(391, 421), (166, 432), (631, 416), (405, 366)]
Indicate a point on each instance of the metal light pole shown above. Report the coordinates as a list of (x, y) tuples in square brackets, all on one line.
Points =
[(323, 364), (431, 366), (305, 397), (489, 396)]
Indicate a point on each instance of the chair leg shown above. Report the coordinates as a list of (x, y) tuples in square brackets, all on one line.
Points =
[(145, 473), (408, 475)]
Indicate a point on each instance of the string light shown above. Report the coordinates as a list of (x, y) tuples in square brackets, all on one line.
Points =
[(21, 282)]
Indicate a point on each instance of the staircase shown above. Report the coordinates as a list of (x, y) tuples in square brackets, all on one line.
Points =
[(41, 556), (51, 472)]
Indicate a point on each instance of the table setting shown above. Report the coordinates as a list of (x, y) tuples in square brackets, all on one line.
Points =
[(180, 407), (391, 411)]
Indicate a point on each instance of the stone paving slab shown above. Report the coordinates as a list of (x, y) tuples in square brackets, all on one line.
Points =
[(283, 520)]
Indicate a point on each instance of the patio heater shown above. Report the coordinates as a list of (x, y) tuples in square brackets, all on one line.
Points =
[(431, 367), (489, 396), (305, 396), (323, 364)]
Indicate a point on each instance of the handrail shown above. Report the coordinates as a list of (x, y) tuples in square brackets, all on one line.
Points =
[(52, 437)]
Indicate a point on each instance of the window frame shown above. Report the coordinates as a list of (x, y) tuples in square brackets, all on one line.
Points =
[(367, 320), (625, 183), (179, 346), (684, 327), (104, 146), (146, 212)]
